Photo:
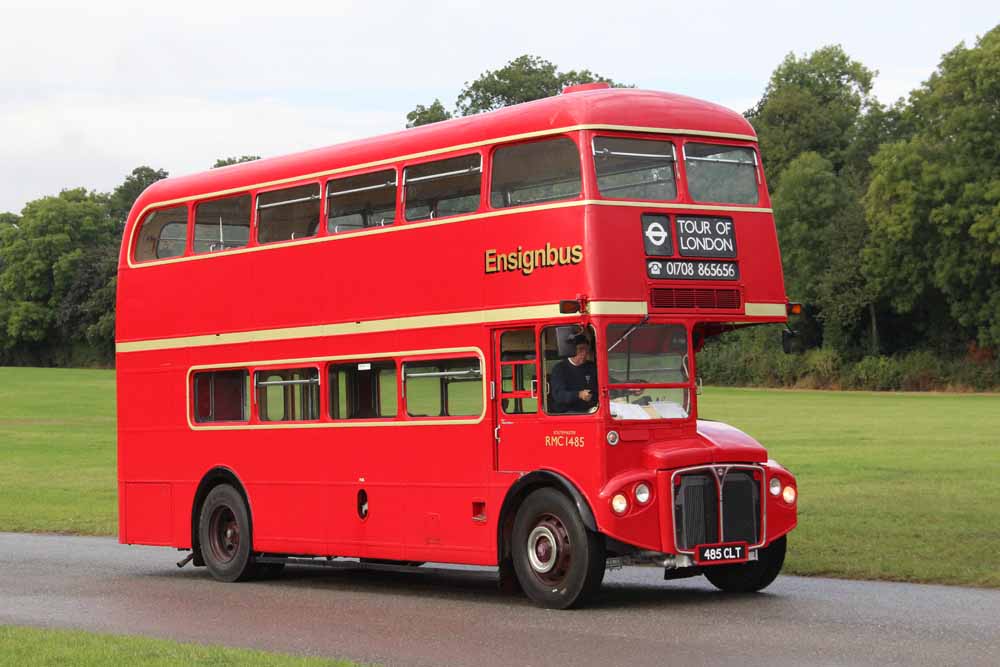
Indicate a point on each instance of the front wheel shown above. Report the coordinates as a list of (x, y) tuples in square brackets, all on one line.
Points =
[(751, 576), (224, 535), (559, 563)]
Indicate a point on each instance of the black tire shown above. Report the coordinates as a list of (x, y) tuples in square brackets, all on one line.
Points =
[(558, 562), (752, 576), (224, 535)]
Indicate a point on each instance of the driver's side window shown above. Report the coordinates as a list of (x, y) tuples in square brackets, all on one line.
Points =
[(558, 346)]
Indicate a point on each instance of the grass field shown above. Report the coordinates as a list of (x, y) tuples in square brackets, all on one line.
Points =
[(57, 451), (892, 486), (33, 647)]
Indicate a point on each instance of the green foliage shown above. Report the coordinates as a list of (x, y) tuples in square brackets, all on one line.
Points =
[(8, 220), (422, 115), (227, 161), (818, 104), (124, 195), (53, 268), (523, 79), (753, 357), (934, 198)]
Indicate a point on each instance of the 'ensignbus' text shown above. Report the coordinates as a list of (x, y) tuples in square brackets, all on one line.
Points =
[(526, 261)]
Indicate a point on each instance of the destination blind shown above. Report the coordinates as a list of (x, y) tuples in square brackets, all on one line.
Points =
[(711, 237)]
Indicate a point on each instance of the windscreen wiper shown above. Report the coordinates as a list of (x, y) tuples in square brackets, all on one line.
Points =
[(628, 333)]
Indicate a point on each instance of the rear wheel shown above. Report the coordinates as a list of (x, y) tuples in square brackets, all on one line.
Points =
[(559, 563), (224, 535), (751, 576)]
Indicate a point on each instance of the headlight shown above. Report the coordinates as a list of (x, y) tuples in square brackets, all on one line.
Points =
[(642, 493), (612, 438), (619, 503), (775, 486), (788, 495)]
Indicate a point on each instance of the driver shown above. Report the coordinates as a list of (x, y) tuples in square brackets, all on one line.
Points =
[(573, 381)]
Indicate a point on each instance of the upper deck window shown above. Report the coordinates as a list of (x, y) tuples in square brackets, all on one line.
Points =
[(222, 224), (163, 234), (356, 202), (444, 187), (635, 168), (292, 213), (537, 172), (723, 174)]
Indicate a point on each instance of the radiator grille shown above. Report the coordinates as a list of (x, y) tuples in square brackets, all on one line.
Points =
[(697, 506), (689, 298)]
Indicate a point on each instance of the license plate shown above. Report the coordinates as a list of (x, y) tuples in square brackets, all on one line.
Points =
[(727, 552)]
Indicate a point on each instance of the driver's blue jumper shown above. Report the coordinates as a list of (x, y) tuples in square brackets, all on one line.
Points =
[(567, 381)]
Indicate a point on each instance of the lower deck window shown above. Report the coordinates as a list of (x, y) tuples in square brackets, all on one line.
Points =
[(221, 396), (287, 394), (363, 390), (443, 387)]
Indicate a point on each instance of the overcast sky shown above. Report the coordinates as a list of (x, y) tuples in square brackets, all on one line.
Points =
[(88, 92)]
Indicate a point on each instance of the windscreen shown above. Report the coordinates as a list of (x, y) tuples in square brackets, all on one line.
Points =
[(648, 373)]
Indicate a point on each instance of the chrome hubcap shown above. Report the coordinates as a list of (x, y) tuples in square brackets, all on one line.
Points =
[(543, 549)]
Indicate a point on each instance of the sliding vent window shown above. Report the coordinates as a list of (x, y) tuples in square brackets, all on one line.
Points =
[(285, 215), (722, 174), (221, 396), (357, 202), (222, 224), (538, 172), (445, 187), (288, 394), (163, 234), (635, 169), (443, 388), (363, 390)]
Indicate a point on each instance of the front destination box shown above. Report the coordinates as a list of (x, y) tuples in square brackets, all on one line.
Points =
[(705, 236)]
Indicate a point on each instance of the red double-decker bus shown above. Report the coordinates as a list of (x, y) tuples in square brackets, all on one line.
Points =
[(470, 342)]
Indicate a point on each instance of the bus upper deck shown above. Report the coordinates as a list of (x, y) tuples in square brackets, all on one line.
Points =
[(643, 202)]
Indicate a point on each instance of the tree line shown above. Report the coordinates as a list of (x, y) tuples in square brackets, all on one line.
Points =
[(888, 218)]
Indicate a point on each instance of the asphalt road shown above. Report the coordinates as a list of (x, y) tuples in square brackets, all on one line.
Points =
[(455, 616)]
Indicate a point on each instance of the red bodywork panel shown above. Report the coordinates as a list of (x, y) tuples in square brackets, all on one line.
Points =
[(411, 290)]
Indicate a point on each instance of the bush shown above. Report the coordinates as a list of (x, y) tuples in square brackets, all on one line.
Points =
[(753, 357), (875, 374), (823, 367)]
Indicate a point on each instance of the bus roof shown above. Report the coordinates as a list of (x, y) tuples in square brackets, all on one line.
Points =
[(624, 107)]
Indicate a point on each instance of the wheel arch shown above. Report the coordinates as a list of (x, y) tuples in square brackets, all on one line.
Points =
[(211, 479), (519, 491)]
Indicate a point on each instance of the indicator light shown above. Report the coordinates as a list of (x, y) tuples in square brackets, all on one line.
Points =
[(788, 495)]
